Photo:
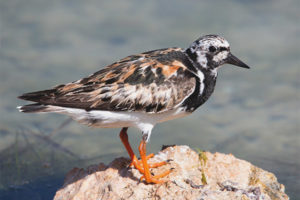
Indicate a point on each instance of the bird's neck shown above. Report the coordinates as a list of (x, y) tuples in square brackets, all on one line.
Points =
[(205, 85)]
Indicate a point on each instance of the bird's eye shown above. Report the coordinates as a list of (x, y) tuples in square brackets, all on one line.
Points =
[(212, 49), (223, 49)]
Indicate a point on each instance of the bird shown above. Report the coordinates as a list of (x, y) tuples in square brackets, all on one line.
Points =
[(141, 91)]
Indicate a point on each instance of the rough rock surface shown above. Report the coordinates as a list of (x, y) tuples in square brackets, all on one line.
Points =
[(195, 176)]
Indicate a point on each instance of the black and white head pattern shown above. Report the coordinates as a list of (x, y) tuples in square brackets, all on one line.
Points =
[(209, 51)]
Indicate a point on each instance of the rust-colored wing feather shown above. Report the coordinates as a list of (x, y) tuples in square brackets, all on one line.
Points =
[(153, 81)]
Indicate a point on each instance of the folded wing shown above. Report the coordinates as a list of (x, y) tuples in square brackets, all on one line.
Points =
[(154, 81)]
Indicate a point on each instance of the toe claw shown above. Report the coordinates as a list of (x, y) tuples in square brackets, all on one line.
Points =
[(141, 178)]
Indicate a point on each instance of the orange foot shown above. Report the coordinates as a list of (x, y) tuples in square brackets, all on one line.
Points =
[(142, 164), (139, 164), (146, 172)]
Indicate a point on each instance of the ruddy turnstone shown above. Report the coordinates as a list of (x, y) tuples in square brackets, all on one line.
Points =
[(140, 91)]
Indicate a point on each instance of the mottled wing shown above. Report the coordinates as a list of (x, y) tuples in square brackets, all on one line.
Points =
[(154, 81)]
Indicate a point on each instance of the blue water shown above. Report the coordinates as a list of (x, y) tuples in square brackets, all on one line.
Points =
[(253, 114)]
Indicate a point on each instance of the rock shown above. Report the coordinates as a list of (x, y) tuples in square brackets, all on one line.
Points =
[(195, 176)]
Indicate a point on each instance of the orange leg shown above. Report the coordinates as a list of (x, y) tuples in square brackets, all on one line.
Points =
[(147, 175), (134, 161), (124, 139), (142, 165)]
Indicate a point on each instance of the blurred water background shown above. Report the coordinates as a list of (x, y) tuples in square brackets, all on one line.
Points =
[(253, 114)]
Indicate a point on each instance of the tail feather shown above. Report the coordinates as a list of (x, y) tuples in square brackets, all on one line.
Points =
[(33, 108), (37, 96)]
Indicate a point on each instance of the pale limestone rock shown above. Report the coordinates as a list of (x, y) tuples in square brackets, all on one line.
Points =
[(227, 178)]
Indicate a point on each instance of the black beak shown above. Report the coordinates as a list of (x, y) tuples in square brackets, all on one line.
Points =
[(231, 59)]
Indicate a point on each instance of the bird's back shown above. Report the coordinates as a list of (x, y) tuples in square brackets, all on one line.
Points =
[(152, 82)]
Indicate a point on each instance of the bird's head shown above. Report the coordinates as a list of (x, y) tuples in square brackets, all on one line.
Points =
[(212, 51)]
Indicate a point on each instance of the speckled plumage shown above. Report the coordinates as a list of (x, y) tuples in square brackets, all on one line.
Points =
[(163, 81), (140, 91), (152, 82)]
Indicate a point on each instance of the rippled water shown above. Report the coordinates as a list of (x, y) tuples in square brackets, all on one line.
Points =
[(253, 114)]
